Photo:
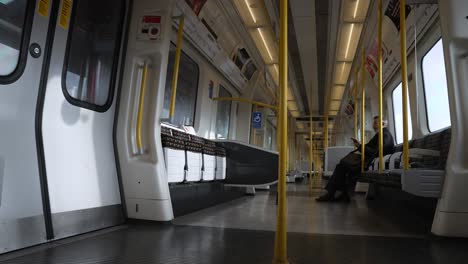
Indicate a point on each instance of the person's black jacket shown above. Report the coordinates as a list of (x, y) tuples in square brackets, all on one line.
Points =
[(372, 147)]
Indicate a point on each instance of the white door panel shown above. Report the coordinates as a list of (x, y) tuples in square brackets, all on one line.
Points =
[(21, 208), (78, 116)]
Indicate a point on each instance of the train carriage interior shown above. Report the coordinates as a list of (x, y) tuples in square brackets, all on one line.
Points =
[(233, 131)]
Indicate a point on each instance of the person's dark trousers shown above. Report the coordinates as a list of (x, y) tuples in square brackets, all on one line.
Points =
[(337, 181)]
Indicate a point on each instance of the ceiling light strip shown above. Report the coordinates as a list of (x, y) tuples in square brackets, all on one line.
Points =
[(342, 71), (251, 12), (349, 40), (264, 43), (355, 9)]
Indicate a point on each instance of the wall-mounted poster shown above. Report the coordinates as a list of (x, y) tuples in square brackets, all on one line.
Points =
[(393, 12), (196, 5), (417, 17)]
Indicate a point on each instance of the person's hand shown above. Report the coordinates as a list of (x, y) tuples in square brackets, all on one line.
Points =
[(356, 142)]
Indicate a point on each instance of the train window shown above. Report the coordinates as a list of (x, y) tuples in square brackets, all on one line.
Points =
[(223, 114), (13, 16), (435, 88), (398, 114), (269, 136), (187, 87), (92, 53)]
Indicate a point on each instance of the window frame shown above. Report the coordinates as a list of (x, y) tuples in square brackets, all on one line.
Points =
[(168, 119), (410, 118), (23, 52), (424, 86), (393, 112), (115, 64)]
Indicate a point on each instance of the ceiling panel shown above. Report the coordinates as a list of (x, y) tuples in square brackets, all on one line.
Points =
[(292, 106), (303, 16), (335, 105), (274, 73), (337, 92), (252, 12), (290, 93), (355, 10), (342, 70)]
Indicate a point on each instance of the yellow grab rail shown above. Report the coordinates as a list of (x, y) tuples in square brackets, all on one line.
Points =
[(363, 112), (141, 106), (404, 80), (245, 100), (311, 142), (280, 255), (325, 128), (175, 76), (381, 165), (278, 121), (355, 103)]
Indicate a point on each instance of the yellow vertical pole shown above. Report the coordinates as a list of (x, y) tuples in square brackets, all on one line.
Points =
[(141, 107), (380, 89), (280, 255), (311, 134), (404, 80), (325, 128), (355, 89), (363, 112), (175, 76), (278, 121), (288, 128)]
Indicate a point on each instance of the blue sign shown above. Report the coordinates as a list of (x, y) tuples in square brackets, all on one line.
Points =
[(257, 120)]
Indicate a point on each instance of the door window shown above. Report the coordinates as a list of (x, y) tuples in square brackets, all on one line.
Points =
[(92, 53), (13, 42)]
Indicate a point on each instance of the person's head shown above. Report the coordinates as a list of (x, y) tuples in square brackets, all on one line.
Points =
[(375, 126)]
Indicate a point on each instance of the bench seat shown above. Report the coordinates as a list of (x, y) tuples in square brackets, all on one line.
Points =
[(428, 156)]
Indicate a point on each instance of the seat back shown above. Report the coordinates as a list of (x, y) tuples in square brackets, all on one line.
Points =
[(444, 148)]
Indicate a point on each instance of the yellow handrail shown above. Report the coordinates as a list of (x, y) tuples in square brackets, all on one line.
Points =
[(141, 106), (363, 112), (175, 76), (355, 104), (404, 80), (381, 165), (245, 100), (325, 128), (311, 142), (280, 255), (278, 121)]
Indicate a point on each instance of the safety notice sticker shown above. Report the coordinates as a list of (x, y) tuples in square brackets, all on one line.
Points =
[(65, 12), (43, 8)]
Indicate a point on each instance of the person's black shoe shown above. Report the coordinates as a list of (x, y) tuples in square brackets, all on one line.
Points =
[(343, 197), (326, 198)]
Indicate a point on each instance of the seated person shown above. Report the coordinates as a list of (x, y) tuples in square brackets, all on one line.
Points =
[(351, 163)]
